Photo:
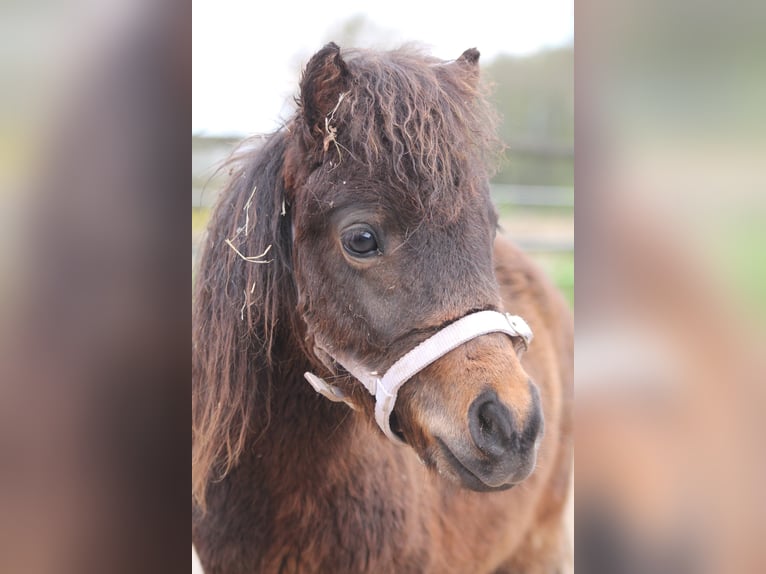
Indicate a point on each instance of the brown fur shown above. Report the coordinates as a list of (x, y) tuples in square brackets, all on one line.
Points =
[(284, 480)]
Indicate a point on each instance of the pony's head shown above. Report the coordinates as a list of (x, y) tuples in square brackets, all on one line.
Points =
[(386, 179)]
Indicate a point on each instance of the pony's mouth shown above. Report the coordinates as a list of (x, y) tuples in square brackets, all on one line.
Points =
[(467, 477)]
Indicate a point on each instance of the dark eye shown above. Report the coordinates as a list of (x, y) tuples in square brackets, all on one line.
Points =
[(360, 242)]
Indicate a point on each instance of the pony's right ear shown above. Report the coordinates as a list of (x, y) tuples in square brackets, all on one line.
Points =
[(469, 61), (324, 81)]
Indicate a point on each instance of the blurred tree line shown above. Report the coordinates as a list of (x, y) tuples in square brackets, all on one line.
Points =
[(535, 97), (533, 93)]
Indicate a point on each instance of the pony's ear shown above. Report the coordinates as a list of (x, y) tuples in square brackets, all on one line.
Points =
[(470, 57), (324, 81), (469, 61)]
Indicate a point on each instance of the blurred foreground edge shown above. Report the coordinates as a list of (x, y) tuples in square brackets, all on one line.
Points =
[(94, 392), (670, 242)]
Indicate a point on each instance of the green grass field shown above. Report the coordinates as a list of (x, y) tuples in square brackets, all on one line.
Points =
[(560, 268), (738, 256)]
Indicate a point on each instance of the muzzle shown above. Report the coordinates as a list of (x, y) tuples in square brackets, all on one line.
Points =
[(385, 388)]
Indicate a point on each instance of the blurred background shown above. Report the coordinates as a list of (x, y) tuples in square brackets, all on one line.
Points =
[(94, 376), (247, 63), (671, 261)]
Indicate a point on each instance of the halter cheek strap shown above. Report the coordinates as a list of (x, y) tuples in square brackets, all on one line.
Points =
[(385, 388)]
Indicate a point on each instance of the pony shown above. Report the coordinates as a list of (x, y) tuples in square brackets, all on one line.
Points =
[(359, 231)]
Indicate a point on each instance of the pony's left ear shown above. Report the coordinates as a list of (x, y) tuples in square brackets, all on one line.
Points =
[(325, 80), (469, 61)]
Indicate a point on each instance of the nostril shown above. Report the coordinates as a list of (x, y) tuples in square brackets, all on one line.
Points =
[(491, 425), (494, 420), (486, 424), (535, 427)]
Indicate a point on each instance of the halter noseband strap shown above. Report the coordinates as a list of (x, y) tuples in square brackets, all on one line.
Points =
[(385, 388)]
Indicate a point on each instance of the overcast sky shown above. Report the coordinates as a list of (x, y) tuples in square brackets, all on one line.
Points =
[(247, 54)]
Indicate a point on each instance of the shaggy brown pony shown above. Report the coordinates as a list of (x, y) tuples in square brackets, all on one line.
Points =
[(363, 227)]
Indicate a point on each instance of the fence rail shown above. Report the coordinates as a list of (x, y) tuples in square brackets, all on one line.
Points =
[(538, 217), (204, 193), (550, 233), (532, 195)]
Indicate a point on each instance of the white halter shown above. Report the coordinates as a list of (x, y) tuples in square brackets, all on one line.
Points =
[(385, 388)]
